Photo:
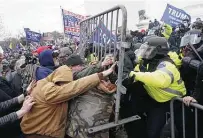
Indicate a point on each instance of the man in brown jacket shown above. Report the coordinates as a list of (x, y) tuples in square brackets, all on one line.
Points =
[(47, 119)]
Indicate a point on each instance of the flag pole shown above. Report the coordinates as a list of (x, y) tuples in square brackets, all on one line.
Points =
[(63, 26), (25, 37)]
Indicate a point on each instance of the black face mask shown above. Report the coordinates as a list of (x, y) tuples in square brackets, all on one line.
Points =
[(153, 63), (154, 59)]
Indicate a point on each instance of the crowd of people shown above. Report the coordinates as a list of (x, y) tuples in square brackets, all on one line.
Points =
[(54, 93)]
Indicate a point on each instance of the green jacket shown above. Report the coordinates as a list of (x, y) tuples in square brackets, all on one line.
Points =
[(86, 71)]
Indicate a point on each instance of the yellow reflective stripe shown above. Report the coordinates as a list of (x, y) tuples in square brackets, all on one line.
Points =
[(173, 91), (169, 90), (168, 72)]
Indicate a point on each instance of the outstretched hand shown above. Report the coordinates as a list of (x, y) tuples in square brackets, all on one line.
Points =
[(110, 70), (27, 105), (109, 60), (187, 100)]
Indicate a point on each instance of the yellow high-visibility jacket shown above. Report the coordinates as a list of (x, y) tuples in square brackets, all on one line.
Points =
[(175, 58), (167, 31), (164, 83)]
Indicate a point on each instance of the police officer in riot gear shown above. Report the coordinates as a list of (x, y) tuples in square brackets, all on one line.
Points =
[(197, 96), (154, 87), (191, 41), (192, 49)]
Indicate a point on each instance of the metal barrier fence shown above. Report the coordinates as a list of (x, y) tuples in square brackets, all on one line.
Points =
[(195, 105), (102, 30)]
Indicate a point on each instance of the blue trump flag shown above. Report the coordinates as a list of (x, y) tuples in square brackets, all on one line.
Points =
[(174, 16), (32, 36), (102, 35)]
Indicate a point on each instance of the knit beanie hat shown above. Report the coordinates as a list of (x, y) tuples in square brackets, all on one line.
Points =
[(74, 60)]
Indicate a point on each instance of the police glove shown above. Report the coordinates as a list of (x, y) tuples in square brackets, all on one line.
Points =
[(186, 61), (127, 80)]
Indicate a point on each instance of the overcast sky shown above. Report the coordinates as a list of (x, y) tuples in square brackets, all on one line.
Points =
[(45, 15)]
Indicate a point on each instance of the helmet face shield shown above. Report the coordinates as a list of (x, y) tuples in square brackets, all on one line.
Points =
[(150, 53), (185, 40), (190, 39), (146, 51), (194, 39), (141, 51)]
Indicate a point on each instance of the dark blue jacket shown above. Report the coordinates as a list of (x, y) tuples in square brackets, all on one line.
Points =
[(42, 72)]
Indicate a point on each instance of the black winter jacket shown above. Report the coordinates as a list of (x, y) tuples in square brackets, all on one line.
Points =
[(10, 118)]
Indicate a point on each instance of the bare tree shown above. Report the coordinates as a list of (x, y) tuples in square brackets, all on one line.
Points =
[(3, 32), (20, 34), (56, 35)]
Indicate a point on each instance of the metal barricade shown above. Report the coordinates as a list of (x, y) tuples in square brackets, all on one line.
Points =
[(92, 31), (195, 105)]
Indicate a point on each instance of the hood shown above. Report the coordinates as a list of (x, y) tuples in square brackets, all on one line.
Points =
[(61, 74), (46, 59)]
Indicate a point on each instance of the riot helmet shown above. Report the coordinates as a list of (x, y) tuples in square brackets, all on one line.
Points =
[(191, 38), (153, 46)]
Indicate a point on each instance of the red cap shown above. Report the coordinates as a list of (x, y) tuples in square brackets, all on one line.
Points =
[(142, 31), (41, 49)]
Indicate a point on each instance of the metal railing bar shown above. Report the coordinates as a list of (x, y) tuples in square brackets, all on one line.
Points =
[(183, 115)]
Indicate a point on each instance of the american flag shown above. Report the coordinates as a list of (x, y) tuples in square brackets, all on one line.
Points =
[(71, 23)]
